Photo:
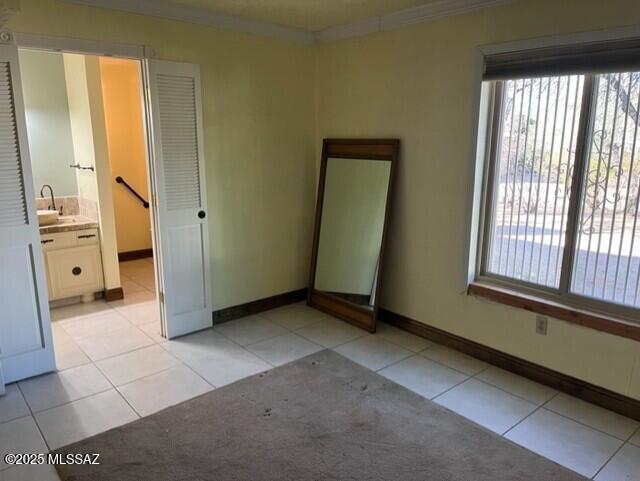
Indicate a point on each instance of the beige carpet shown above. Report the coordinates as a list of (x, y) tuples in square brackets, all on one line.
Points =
[(320, 418)]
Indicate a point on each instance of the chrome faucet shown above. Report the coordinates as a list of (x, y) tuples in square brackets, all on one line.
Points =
[(53, 201)]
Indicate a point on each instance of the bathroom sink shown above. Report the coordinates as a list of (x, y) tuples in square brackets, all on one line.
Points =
[(47, 217)]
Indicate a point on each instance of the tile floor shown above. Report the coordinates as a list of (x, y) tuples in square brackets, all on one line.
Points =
[(113, 367)]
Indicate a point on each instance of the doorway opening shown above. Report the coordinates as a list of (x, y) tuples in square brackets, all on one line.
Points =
[(85, 122)]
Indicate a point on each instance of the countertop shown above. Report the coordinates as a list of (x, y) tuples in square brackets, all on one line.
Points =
[(68, 223)]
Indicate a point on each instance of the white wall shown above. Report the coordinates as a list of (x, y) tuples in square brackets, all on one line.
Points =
[(48, 124)]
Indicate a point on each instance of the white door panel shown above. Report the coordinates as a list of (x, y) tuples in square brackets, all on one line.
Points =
[(187, 265), (26, 347), (18, 292), (180, 210)]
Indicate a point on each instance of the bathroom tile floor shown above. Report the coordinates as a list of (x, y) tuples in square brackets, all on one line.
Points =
[(114, 367)]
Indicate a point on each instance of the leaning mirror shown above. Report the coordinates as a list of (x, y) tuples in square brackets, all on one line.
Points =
[(351, 217)]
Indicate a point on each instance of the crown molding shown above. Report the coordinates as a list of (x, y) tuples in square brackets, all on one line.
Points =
[(349, 30), (8, 8), (202, 16), (423, 13)]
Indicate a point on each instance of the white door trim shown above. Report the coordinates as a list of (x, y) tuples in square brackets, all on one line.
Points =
[(82, 46)]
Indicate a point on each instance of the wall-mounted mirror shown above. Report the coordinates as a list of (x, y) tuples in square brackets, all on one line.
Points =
[(351, 216), (46, 103)]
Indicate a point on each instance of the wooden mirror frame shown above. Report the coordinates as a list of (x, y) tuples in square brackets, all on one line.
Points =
[(367, 149)]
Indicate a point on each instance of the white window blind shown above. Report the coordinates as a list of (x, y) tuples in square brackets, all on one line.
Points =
[(562, 211), (534, 162), (607, 254)]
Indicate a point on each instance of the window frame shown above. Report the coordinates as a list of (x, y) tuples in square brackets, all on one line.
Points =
[(561, 295)]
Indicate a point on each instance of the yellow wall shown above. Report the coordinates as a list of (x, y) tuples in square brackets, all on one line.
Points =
[(121, 91), (258, 111), (416, 83)]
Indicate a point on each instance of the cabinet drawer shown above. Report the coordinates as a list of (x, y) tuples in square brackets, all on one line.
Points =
[(87, 237), (75, 271), (59, 240), (63, 240)]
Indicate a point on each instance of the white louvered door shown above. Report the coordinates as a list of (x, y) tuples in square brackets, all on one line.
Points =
[(180, 213), (26, 347)]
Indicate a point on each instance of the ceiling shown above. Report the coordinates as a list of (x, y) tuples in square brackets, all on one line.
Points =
[(312, 15)]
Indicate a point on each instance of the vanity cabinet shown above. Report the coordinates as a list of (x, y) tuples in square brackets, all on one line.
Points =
[(73, 264)]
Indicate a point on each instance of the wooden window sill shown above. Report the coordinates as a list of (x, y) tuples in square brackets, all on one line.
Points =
[(593, 320)]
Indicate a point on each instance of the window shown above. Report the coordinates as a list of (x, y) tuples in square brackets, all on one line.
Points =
[(563, 188)]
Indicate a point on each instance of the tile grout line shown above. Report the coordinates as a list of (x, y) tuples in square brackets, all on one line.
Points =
[(475, 376), (538, 408), (226, 336), (446, 391), (329, 347), (469, 376), (155, 373), (377, 371), (93, 362), (115, 388), (413, 353), (544, 406), (624, 443), (637, 431), (124, 398), (581, 422), (32, 415)]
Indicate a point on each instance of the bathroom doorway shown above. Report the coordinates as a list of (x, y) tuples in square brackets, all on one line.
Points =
[(68, 246), (85, 127)]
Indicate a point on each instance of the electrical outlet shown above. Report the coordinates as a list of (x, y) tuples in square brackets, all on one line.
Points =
[(541, 325)]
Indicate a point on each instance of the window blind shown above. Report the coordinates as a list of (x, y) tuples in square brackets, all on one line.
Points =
[(594, 57)]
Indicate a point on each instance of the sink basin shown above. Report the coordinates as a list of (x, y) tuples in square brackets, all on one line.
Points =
[(47, 217)]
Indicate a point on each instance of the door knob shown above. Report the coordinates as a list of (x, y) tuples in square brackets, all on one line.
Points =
[(202, 214)]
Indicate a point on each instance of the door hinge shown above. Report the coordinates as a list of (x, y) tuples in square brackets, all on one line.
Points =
[(161, 297)]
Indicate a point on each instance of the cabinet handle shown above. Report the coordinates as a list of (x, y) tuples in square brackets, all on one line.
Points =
[(46, 241), (86, 236), (76, 271)]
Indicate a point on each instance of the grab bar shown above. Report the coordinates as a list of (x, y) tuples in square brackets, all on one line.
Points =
[(120, 180)]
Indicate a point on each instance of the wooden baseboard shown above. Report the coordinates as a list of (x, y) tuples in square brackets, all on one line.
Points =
[(261, 305), (113, 294), (594, 394), (133, 255)]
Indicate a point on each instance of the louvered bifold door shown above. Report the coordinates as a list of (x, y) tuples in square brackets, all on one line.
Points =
[(178, 166), (26, 347)]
